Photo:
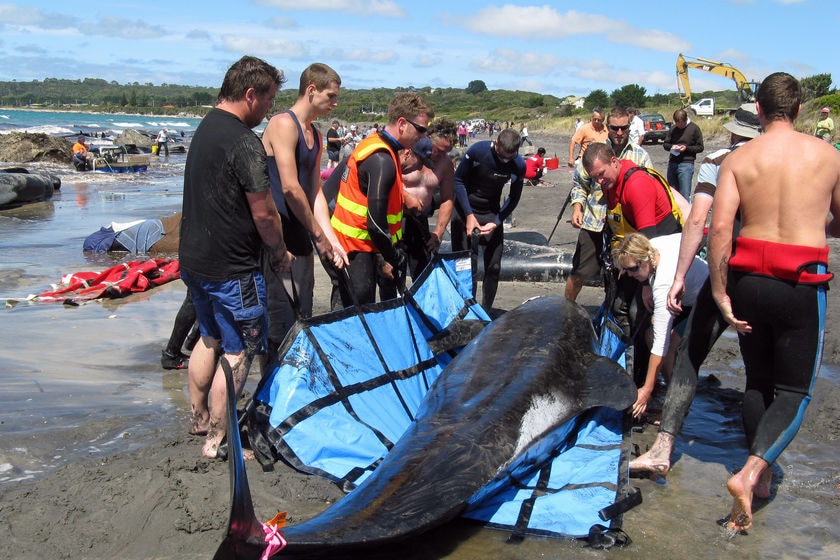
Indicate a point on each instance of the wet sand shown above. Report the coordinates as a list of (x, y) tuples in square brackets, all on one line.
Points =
[(85, 398)]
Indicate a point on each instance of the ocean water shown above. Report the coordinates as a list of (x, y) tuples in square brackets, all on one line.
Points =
[(69, 123)]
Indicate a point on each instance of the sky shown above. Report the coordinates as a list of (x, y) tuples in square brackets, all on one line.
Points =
[(560, 48)]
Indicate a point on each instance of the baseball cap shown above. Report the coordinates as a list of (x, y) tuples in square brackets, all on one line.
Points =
[(825, 110), (745, 122), (423, 150)]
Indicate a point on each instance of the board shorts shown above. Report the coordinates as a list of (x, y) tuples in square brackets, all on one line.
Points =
[(232, 311)]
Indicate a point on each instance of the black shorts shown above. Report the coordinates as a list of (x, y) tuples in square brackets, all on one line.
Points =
[(586, 262)]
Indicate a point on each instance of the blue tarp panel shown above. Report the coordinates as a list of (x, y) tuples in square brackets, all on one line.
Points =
[(572, 483), (345, 387)]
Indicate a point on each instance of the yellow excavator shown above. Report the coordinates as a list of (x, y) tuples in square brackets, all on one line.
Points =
[(746, 89)]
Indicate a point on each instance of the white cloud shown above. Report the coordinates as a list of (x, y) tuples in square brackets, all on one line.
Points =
[(653, 39), (503, 60), (263, 47), (533, 21), (12, 14), (112, 26), (283, 22), (427, 60), (360, 54), (545, 22), (360, 7)]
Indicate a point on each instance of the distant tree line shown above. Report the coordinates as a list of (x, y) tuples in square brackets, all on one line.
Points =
[(367, 105), (100, 94)]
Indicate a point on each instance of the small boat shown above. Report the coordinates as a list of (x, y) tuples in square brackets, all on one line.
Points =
[(120, 159), (19, 187)]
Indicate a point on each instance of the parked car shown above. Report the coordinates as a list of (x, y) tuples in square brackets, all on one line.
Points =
[(656, 129)]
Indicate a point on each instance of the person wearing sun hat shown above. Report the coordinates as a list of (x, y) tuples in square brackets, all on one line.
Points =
[(705, 323), (825, 126)]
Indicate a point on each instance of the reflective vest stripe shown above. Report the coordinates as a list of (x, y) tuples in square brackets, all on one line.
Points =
[(350, 217), (350, 206)]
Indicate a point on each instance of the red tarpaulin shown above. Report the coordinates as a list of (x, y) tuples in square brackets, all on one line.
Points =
[(115, 282)]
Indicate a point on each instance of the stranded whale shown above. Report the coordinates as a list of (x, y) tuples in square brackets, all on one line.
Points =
[(528, 372)]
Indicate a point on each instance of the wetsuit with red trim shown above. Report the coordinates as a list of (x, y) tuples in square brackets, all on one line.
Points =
[(780, 290)]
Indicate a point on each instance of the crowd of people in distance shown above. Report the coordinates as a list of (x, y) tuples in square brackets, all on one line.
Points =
[(273, 210)]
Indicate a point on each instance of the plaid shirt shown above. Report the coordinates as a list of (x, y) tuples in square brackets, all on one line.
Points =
[(587, 192)]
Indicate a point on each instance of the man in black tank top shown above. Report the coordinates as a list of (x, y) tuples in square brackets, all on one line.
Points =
[(293, 146)]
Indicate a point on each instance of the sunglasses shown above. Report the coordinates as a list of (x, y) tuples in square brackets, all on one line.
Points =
[(418, 127), (623, 128), (632, 269)]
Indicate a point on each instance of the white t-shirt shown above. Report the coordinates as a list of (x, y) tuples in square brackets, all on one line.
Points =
[(669, 251), (637, 129)]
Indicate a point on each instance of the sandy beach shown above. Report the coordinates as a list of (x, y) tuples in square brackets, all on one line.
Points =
[(123, 479)]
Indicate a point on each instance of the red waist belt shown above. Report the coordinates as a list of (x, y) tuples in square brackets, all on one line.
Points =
[(779, 260)]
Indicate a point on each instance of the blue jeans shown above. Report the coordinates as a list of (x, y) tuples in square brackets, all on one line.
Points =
[(679, 177)]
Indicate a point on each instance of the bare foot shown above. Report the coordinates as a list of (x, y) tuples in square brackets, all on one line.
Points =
[(658, 459), (199, 423), (647, 464), (762, 488), (740, 518), (212, 443)]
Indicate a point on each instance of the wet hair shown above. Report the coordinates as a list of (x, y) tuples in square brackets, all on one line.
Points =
[(443, 128), (249, 72), (636, 246), (509, 141), (779, 97), (596, 151), (408, 106), (319, 75)]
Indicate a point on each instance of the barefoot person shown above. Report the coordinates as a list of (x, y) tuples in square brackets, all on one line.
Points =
[(705, 323), (228, 217), (771, 288)]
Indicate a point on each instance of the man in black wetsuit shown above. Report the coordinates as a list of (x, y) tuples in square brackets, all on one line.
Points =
[(368, 210), (771, 288), (484, 170)]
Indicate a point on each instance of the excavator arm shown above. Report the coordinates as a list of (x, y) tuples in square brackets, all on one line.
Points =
[(746, 89)]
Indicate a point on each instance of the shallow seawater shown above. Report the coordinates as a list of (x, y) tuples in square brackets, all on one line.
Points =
[(87, 372)]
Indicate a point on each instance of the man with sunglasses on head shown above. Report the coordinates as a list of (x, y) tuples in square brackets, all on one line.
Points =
[(369, 206), (482, 173), (589, 207)]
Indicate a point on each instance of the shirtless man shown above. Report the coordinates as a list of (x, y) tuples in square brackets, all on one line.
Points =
[(776, 277), (420, 187)]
